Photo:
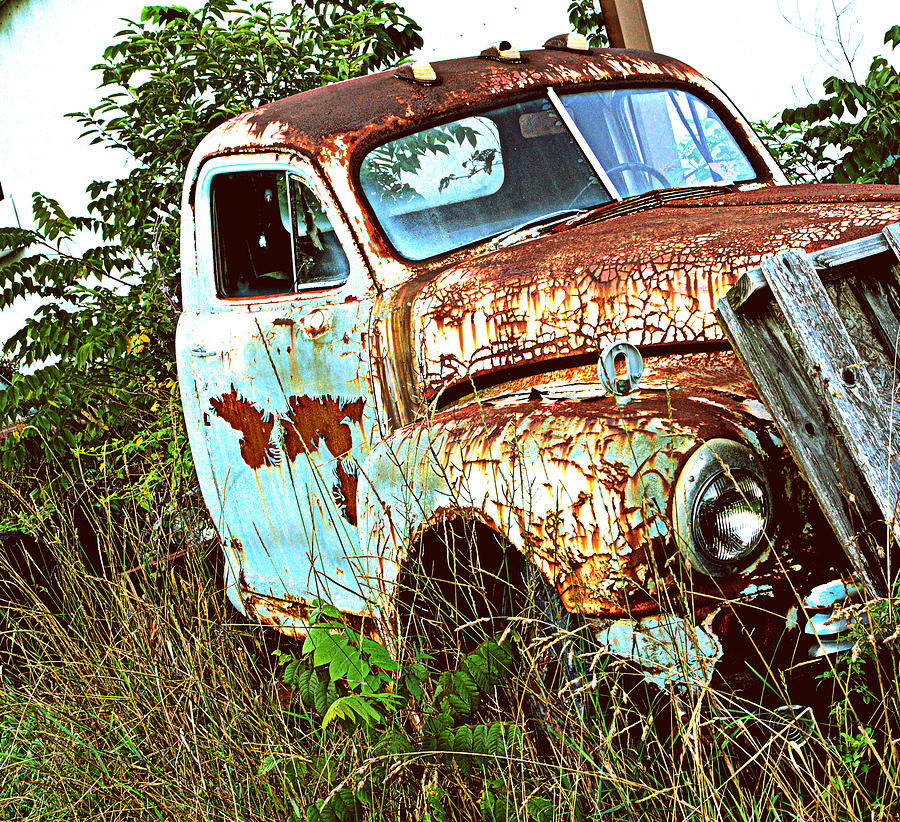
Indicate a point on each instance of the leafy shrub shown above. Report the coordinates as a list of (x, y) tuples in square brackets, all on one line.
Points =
[(345, 677), (162, 706), (850, 135), (98, 355), (586, 18), (7, 368)]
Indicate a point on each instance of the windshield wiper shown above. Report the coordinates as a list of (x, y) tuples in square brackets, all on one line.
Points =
[(544, 220)]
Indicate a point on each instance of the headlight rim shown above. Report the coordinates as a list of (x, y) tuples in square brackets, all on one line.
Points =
[(702, 468)]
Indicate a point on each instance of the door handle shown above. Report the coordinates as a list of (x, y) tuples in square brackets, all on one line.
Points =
[(200, 351)]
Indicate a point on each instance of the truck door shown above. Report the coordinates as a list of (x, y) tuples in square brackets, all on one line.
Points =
[(274, 380)]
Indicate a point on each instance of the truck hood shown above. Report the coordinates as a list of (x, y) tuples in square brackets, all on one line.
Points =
[(651, 278)]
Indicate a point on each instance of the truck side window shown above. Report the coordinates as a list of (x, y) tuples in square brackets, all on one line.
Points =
[(271, 236)]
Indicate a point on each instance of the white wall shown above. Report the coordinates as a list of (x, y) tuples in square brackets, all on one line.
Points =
[(762, 53), (47, 48), (466, 27)]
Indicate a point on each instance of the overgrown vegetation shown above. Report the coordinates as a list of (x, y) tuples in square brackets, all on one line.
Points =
[(130, 690), (850, 135), (138, 696), (97, 368), (586, 18)]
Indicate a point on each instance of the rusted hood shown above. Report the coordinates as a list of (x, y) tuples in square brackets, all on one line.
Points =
[(651, 278)]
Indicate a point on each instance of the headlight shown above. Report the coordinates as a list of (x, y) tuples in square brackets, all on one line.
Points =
[(722, 507)]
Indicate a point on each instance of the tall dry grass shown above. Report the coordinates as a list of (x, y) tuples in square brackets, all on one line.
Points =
[(141, 695)]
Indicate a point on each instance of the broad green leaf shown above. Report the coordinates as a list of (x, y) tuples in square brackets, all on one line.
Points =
[(352, 708)]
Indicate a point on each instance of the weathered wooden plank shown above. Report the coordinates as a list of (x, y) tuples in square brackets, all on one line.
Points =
[(880, 297), (891, 236), (858, 296), (749, 284), (753, 282), (762, 341), (852, 400), (819, 334), (845, 253)]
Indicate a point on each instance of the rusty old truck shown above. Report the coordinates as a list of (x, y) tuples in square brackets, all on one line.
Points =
[(455, 321)]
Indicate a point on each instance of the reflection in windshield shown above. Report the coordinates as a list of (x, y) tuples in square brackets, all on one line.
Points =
[(657, 138), (459, 183)]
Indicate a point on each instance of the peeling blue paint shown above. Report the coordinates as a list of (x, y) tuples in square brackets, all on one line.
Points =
[(669, 649)]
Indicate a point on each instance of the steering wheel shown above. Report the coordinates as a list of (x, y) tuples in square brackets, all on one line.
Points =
[(648, 170)]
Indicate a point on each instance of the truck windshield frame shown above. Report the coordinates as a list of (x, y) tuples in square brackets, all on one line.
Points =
[(463, 182)]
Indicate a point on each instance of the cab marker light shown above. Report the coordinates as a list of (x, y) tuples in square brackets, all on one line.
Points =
[(568, 42), (420, 72), (503, 51)]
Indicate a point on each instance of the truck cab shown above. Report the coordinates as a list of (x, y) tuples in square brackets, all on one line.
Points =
[(475, 299)]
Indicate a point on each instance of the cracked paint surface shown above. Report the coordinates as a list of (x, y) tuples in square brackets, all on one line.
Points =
[(578, 484), (650, 279)]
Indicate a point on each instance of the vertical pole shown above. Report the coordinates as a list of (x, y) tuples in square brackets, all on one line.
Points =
[(626, 24)]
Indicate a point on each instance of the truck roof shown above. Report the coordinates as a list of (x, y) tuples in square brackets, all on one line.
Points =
[(341, 117)]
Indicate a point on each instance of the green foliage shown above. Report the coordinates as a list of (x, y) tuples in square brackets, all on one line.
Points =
[(801, 162), (347, 653), (453, 731), (850, 135), (7, 368), (384, 167), (98, 355), (340, 673), (159, 707), (586, 18)]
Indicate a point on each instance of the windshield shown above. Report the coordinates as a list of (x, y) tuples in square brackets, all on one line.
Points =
[(648, 139), (462, 182)]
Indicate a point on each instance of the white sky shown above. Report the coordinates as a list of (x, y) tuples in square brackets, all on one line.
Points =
[(756, 50), (758, 54)]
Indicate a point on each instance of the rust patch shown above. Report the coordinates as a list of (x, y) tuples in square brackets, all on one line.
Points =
[(238, 547), (605, 542), (651, 279), (280, 612), (313, 419), (309, 422), (363, 110), (254, 424)]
